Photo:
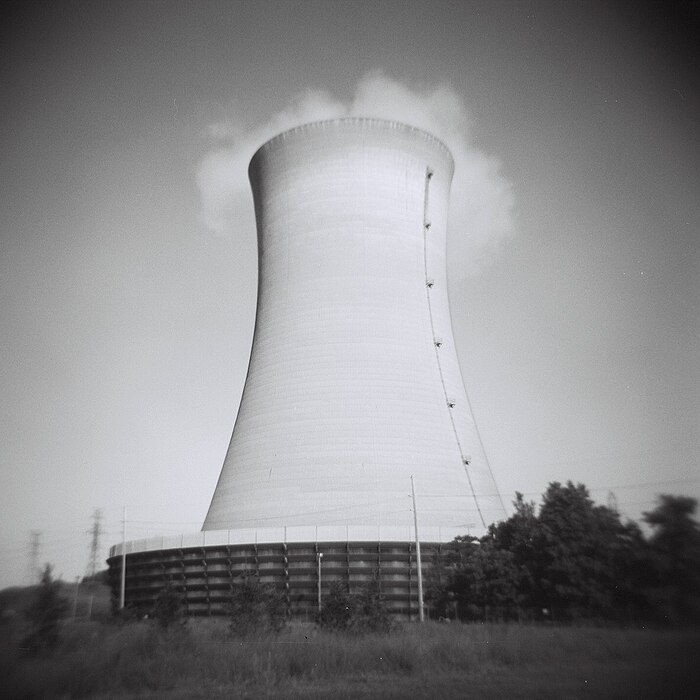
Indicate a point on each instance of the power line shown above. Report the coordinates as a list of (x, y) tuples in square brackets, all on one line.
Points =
[(631, 485), (640, 484), (608, 456)]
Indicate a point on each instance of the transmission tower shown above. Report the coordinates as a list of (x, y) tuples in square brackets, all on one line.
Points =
[(33, 561), (95, 531)]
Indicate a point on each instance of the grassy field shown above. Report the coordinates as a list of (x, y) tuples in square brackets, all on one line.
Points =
[(202, 660)]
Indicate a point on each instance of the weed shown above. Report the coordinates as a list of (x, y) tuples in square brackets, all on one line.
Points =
[(204, 660)]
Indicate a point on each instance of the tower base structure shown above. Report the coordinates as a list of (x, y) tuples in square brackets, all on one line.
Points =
[(204, 567)]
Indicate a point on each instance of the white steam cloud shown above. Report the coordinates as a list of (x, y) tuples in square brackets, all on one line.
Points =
[(481, 201)]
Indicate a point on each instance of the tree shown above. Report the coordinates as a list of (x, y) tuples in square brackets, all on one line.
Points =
[(484, 585), (255, 607), (675, 544), (522, 536), (45, 614), (580, 540), (573, 559)]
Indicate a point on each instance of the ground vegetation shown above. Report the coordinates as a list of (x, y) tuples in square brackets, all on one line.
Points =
[(204, 660)]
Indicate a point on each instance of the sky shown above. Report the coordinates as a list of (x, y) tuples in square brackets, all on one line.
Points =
[(128, 252)]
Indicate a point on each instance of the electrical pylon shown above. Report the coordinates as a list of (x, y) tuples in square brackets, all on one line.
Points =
[(95, 531)]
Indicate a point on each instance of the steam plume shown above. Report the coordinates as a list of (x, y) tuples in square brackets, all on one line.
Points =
[(481, 201)]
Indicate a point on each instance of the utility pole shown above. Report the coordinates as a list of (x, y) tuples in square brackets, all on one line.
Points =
[(33, 563), (421, 612), (95, 531), (122, 588)]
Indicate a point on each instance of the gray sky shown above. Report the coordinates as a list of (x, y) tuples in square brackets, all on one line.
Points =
[(126, 310)]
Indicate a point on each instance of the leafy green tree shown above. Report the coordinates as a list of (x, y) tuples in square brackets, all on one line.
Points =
[(45, 615), (675, 545), (483, 586), (580, 540), (255, 607), (438, 596), (523, 536), (573, 559)]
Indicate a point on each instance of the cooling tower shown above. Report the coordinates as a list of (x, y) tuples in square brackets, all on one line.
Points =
[(353, 387), (354, 383)]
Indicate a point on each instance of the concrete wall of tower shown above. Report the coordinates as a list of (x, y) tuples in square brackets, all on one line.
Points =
[(354, 383)]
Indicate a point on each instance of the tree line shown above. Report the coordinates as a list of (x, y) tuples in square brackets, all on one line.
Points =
[(567, 560), (571, 559)]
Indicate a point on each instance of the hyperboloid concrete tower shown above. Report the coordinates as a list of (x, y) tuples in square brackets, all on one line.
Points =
[(353, 385)]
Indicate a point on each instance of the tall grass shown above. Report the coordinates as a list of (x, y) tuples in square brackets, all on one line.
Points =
[(201, 659)]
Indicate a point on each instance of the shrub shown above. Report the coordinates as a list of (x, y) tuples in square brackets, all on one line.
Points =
[(336, 611), (255, 607), (167, 608), (360, 613)]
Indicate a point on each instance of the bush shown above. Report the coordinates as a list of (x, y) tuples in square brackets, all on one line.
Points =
[(336, 611), (359, 613), (255, 607), (167, 608)]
